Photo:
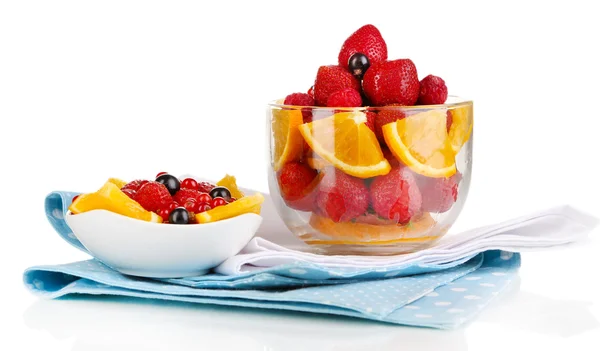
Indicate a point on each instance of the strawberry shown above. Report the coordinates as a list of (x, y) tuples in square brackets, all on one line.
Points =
[(385, 116), (371, 118), (432, 91), (396, 196), (205, 187), (134, 185), (449, 120), (341, 197), (129, 192), (153, 196), (183, 195), (392, 82), (366, 40), (439, 194), (345, 98), (331, 79), (301, 99), (297, 183)]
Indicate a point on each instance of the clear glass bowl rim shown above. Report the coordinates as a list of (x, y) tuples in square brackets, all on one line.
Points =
[(451, 103)]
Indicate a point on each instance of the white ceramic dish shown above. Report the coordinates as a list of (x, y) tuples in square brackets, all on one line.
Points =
[(155, 250)]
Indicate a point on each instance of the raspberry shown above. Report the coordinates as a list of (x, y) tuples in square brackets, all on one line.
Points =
[(205, 187), (392, 82), (134, 185), (384, 117), (301, 99), (345, 98), (396, 196), (366, 40), (341, 197), (153, 196), (432, 91), (331, 79), (297, 183), (439, 194), (183, 195)]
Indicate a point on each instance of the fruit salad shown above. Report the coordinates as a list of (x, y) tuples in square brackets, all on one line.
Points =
[(167, 199), (371, 154)]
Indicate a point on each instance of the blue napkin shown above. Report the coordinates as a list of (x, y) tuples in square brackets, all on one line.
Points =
[(444, 296)]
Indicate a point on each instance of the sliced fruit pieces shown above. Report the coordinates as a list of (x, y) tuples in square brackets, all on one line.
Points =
[(118, 182), (462, 125), (229, 182), (286, 137), (316, 162), (345, 141), (421, 142), (111, 198), (247, 204)]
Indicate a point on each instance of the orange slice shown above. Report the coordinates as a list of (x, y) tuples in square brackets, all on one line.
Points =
[(421, 142), (348, 233), (111, 198), (345, 141), (118, 182), (287, 141), (247, 204), (462, 125), (229, 182)]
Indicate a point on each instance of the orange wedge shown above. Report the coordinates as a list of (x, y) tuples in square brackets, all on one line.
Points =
[(111, 198), (287, 141), (230, 183), (462, 125), (118, 182), (345, 141), (421, 142), (247, 204)]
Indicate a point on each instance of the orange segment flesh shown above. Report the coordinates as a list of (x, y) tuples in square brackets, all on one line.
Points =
[(230, 183), (286, 137), (345, 141), (118, 182), (111, 198), (247, 204), (421, 142), (462, 125)]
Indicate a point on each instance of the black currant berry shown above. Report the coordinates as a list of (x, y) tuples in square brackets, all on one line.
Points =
[(171, 182), (179, 216), (220, 191), (358, 64)]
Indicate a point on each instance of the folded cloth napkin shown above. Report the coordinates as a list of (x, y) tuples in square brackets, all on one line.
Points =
[(442, 287)]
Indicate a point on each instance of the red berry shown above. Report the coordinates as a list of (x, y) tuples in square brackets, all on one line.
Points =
[(134, 185), (392, 82), (129, 192), (232, 199), (341, 197), (204, 198), (385, 116), (189, 183), (191, 205), (344, 98), (204, 208), (297, 183), (439, 194), (173, 205), (366, 40), (396, 196), (160, 173), (218, 201), (311, 92), (331, 79), (371, 118), (449, 120), (185, 194), (432, 91), (301, 99), (164, 213), (153, 196), (205, 187)]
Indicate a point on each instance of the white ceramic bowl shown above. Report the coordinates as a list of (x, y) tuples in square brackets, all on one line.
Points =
[(154, 250)]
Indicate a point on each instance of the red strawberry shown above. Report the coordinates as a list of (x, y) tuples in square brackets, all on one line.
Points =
[(331, 79), (205, 187), (129, 192), (153, 196), (311, 92), (449, 120), (366, 40), (297, 183), (392, 82), (341, 197), (371, 118), (439, 194), (134, 185), (183, 195), (345, 98), (432, 91), (301, 99), (396, 196), (385, 116)]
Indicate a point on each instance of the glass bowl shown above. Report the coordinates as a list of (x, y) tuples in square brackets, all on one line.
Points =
[(370, 180)]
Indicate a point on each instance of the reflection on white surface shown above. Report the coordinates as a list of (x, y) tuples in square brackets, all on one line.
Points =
[(120, 323)]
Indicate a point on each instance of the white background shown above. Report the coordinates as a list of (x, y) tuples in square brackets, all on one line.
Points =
[(91, 90)]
